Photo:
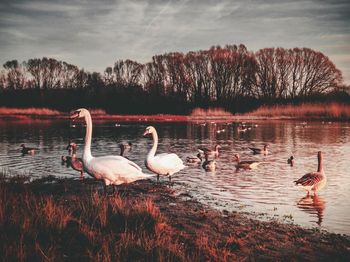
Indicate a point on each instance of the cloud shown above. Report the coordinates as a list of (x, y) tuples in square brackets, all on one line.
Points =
[(95, 34)]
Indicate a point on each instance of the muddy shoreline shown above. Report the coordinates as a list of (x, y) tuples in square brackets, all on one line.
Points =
[(227, 236)]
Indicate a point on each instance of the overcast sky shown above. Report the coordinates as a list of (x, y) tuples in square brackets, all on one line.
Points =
[(95, 34)]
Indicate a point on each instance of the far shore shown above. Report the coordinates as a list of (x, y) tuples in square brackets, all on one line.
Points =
[(320, 112)]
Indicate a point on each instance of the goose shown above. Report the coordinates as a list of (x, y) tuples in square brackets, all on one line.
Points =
[(315, 180), (209, 165), (291, 161), (162, 164), (260, 150), (250, 164), (76, 163), (194, 159), (28, 150), (209, 152), (112, 170), (124, 147)]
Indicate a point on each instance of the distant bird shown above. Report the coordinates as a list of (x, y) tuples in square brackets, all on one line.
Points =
[(291, 160), (241, 129), (260, 150), (124, 147), (162, 164), (28, 150), (250, 164), (314, 181), (209, 165), (194, 159), (112, 170), (210, 152)]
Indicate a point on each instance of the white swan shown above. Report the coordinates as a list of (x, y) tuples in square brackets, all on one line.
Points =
[(113, 170), (161, 164)]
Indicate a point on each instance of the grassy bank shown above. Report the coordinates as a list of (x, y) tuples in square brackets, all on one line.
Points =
[(317, 111), (58, 220), (332, 111)]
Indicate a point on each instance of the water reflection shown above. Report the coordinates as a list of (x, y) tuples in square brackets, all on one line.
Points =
[(267, 189), (313, 205)]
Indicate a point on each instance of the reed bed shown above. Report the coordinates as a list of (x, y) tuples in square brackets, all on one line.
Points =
[(28, 111), (306, 110)]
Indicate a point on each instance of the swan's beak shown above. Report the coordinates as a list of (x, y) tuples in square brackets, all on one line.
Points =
[(74, 115), (145, 133)]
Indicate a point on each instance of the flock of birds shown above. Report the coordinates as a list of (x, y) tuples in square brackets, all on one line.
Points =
[(116, 170)]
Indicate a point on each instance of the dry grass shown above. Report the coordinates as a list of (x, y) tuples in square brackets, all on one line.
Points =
[(307, 110), (211, 112), (66, 220), (90, 227), (28, 111)]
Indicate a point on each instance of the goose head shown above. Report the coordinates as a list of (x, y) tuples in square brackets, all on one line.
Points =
[(149, 130), (79, 113)]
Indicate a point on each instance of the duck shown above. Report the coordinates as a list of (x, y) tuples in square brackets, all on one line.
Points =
[(291, 161), (112, 170), (209, 165), (162, 164), (210, 152), (260, 150), (194, 159), (314, 181), (250, 164), (28, 150)]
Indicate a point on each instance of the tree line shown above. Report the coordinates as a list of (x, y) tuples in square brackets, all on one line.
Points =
[(231, 77)]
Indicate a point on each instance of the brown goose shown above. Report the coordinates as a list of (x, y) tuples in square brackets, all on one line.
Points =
[(28, 150), (210, 152), (209, 165), (313, 181), (260, 150), (250, 164), (77, 163), (124, 147)]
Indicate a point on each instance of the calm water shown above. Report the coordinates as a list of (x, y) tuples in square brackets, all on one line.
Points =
[(268, 191)]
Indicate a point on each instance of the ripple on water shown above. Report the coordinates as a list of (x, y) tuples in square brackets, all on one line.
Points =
[(267, 189)]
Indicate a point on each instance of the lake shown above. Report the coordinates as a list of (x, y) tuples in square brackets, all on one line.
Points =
[(267, 192)]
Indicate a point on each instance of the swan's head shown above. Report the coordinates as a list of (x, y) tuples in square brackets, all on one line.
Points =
[(266, 146), (79, 113), (217, 147), (236, 156), (149, 130)]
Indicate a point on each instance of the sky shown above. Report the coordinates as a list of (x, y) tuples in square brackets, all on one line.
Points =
[(95, 34)]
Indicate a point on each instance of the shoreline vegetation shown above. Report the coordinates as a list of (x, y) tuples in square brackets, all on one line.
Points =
[(305, 111), (65, 219)]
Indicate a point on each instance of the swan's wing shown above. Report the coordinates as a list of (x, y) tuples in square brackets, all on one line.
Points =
[(170, 162), (309, 179), (121, 158), (116, 170)]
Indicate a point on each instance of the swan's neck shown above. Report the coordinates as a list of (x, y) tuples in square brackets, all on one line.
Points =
[(320, 166), (153, 150), (87, 147)]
